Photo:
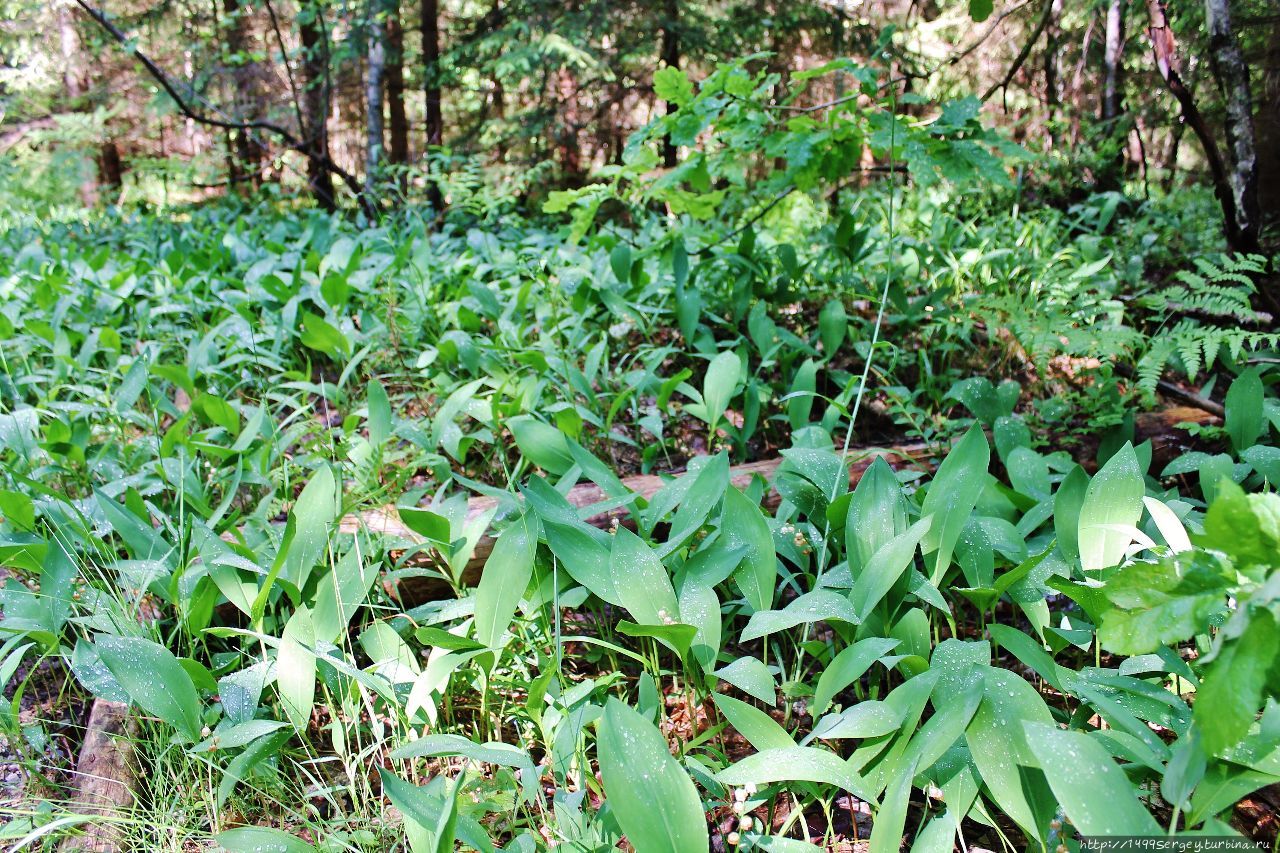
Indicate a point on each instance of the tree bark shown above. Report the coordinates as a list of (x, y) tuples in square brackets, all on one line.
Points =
[(1232, 75), (1111, 109), (249, 94), (398, 120), (76, 83), (1165, 48), (374, 82), (671, 59), (1113, 61), (315, 104), (431, 88)]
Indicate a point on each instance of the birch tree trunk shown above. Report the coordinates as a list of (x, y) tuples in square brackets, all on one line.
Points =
[(374, 81)]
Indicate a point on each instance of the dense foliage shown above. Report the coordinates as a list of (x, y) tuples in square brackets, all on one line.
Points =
[(801, 476)]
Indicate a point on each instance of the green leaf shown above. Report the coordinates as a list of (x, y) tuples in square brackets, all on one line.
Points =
[(1111, 509), (833, 324), (261, 839), (641, 581), (154, 680), (721, 380), (296, 668), (980, 10), (796, 764), (953, 494), (885, 567), (877, 513), (1066, 511), (751, 677), (1244, 421), (743, 526), (821, 605), (760, 730), (999, 746), (543, 445), (653, 799), (321, 335), (846, 668), (672, 84), (379, 414), (620, 260), (1232, 689), (1161, 603), (1091, 788), (506, 574)]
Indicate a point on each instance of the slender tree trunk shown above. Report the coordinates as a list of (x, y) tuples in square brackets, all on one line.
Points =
[(1165, 47), (1111, 109), (1233, 80), (315, 104), (1267, 122), (1052, 72), (431, 88), (374, 83), (671, 58), (398, 120), (1113, 62)]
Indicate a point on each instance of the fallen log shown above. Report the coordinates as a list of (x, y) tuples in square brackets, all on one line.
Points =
[(104, 778), (1161, 428)]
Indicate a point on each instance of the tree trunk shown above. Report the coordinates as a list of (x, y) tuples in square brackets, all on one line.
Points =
[(76, 83), (1113, 61), (249, 95), (431, 88), (1165, 47), (1111, 110), (398, 120), (1233, 80), (315, 104), (374, 82), (1267, 122), (671, 59)]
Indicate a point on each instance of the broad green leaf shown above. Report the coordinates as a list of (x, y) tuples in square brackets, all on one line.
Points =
[(877, 513), (641, 581), (543, 445), (1161, 603), (672, 84), (296, 668), (1091, 788), (721, 380), (1244, 421), (760, 729), (847, 667), (796, 764), (261, 839), (154, 680), (884, 568), (953, 494), (1066, 511), (750, 676), (980, 10), (743, 526), (821, 605), (1232, 690), (506, 574), (1000, 747), (379, 413), (1112, 506), (653, 799)]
